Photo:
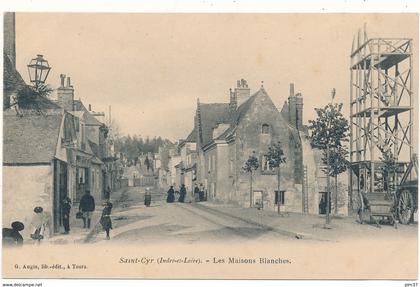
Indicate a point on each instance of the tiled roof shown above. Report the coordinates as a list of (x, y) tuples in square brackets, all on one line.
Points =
[(220, 113), (191, 137), (89, 119), (211, 116), (243, 109), (30, 138), (12, 80)]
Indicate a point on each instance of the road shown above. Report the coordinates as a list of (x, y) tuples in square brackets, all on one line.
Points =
[(192, 222), (177, 222)]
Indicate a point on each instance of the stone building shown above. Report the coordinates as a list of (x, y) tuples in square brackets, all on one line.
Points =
[(90, 171), (226, 134), (52, 149), (188, 152)]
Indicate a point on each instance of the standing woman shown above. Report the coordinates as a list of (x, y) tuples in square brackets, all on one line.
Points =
[(106, 218), (171, 195)]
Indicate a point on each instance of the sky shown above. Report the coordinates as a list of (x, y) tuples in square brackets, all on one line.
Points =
[(152, 68)]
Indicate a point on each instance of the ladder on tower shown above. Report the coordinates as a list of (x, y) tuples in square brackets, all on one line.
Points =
[(305, 200)]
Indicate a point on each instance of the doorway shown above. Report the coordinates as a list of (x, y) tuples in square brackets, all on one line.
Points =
[(323, 203), (60, 192), (257, 199)]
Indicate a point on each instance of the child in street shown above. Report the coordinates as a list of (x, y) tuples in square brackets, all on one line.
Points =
[(106, 221)]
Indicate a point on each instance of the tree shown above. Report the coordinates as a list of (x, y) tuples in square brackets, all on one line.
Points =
[(276, 157), (250, 166), (328, 132), (29, 98), (389, 168), (338, 164)]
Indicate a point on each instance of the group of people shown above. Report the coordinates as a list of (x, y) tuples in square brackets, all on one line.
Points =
[(199, 193), (41, 223), (171, 194), (87, 207)]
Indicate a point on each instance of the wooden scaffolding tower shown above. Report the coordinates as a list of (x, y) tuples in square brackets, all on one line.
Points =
[(381, 110)]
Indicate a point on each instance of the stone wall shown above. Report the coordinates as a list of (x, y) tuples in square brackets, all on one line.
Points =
[(249, 139), (24, 188)]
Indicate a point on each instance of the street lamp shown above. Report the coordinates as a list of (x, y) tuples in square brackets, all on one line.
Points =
[(38, 69)]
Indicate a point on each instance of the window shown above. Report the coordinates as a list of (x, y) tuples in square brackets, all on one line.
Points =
[(258, 199), (279, 196), (265, 129), (265, 165)]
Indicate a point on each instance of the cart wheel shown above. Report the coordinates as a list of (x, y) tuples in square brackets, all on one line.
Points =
[(405, 206)]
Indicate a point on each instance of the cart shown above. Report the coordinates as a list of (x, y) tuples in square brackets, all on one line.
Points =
[(397, 207)]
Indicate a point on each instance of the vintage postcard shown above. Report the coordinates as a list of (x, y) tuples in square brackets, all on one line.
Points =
[(210, 146)]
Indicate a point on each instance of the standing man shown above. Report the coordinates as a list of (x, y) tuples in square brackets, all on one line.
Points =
[(87, 206), (65, 207)]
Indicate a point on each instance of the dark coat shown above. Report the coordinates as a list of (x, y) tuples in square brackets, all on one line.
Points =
[(106, 221), (171, 195), (87, 203), (65, 207), (196, 189), (12, 237)]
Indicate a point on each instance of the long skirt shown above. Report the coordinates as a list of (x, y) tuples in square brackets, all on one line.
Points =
[(106, 222)]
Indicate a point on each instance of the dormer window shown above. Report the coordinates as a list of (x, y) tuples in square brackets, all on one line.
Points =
[(265, 129)]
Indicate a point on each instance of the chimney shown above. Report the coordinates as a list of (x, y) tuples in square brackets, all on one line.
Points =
[(69, 83), (242, 92), (65, 94), (62, 77), (299, 111), (292, 89), (9, 32), (90, 107), (292, 105), (233, 105)]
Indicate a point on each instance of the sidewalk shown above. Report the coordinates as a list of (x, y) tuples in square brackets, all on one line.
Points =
[(77, 233), (312, 226)]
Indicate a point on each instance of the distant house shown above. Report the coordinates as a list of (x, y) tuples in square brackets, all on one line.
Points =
[(188, 166), (174, 167), (226, 134)]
